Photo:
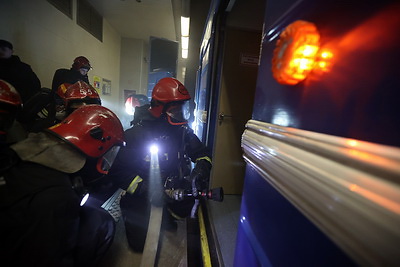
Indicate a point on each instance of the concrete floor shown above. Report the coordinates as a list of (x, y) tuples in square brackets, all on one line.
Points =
[(225, 218), (119, 254), (172, 249), (173, 245)]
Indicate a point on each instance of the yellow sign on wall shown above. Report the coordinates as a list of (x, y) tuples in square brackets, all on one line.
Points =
[(97, 83)]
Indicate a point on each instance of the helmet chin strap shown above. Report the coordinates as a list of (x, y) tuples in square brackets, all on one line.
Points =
[(98, 166), (175, 123)]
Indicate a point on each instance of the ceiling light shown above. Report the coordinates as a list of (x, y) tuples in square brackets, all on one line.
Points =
[(184, 53), (185, 23), (185, 42)]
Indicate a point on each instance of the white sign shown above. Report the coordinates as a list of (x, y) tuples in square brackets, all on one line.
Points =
[(247, 59)]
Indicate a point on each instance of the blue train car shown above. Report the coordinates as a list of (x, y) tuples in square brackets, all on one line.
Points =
[(322, 172)]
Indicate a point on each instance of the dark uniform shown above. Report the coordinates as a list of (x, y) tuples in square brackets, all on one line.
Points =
[(40, 217), (72, 75), (20, 75), (46, 109), (67, 76), (40, 111), (42, 222), (177, 146)]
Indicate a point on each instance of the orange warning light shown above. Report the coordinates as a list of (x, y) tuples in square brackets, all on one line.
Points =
[(298, 52), (323, 60)]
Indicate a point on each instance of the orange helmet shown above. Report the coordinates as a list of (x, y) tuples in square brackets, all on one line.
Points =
[(170, 97), (92, 129), (81, 62), (9, 95), (169, 90)]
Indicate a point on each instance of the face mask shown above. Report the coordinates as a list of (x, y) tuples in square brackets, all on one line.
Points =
[(83, 71), (179, 113)]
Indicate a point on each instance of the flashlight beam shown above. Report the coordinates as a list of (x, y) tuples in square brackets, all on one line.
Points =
[(153, 149)]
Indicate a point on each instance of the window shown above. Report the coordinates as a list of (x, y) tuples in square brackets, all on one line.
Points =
[(65, 6), (89, 19)]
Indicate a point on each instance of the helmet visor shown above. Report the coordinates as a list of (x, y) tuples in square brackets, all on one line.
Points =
[(104, 164), (179, 112)]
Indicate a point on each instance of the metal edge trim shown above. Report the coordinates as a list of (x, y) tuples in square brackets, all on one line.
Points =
[(348, 188)]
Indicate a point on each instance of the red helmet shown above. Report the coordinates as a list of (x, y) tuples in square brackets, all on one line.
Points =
[(9, 95), (92, 129), (82, 92), (169, 90), (78, 92), (171, 97), (81, 62)]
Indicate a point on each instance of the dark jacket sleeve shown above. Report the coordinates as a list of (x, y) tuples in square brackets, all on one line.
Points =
[(58, 79), (200, 155), (122, 171), (40, 101), (21, 76), (32, 82), (127, 163), (195, 148)]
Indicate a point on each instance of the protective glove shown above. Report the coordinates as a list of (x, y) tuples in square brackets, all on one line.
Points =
[(201, 174)]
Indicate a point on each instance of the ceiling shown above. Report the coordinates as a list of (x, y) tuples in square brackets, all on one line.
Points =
[(141, 19)]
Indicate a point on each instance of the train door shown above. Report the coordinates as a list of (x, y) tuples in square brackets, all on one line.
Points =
[(322, 183), (226, 85), (205, 92), (238, 82)]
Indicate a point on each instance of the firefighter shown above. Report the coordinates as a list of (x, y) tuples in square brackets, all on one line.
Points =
[(46, 109), (42, 222), (162, 123), (17, 73), (78, 72)]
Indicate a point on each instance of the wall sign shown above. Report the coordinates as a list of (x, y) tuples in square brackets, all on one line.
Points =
[(97, 83), (248, 59), (106, 87)]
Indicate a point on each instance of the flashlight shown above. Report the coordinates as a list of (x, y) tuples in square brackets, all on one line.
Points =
[(84, 199), (153, 149)]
